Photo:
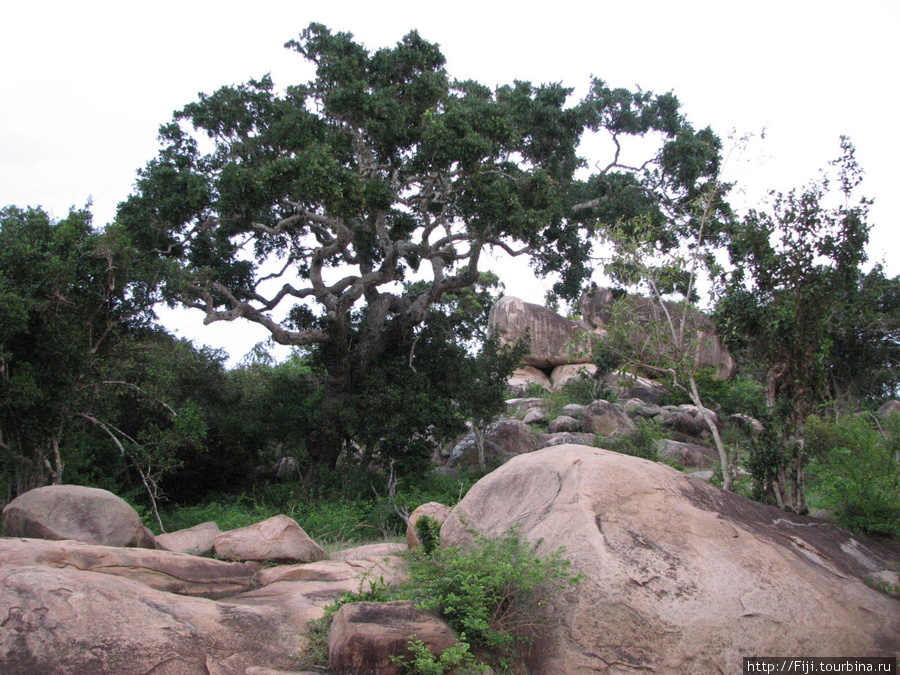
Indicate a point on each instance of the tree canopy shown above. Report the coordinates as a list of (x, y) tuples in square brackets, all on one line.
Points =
[(306, 210)]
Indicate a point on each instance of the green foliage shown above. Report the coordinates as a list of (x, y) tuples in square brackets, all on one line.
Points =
[(387, 169), (794, 269), (641, 442), (857, 468), (429, 532), (456, 659), (498, 591)]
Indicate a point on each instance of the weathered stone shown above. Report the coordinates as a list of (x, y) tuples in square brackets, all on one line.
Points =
[(889, 408), (566, 438), (278, 539), (605, 419), (502, 439), (567, 372), (749, 424), (345, 574), (368, 551), (626, 386), (162, 570), (553, 339), (197, 540), (75, 512), (365, 635), (524, 377), (686, 424), (433, 510), (519, 406), (534, 416), (688, 455), (596, 308), (564, 423), (679, 576), (573, 410), (69, 621)]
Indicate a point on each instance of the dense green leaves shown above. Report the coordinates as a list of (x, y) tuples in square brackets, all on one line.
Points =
[(315, 207)]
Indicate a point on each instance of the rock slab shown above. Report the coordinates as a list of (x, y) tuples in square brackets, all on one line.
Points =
[(279, 539), (364, 636), (86, 514), (679, 576)]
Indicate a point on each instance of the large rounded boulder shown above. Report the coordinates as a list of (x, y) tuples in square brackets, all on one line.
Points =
[(86, 514), (678, 576)]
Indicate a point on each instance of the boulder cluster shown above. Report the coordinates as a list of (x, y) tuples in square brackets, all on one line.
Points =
[(84, 587), (675, 576), (561, 348)]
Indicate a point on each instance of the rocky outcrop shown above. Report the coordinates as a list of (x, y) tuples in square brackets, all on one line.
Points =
[(86, 514), (564, 374), (433, 510), (162, 570), (889, 408), (689, 455), (503, 439), (678, 576), (69, 621), (197, 540), (69, 607), (605, 419), (553, 339), (596, 309), (525, 376), (278, 539), (365, 635)]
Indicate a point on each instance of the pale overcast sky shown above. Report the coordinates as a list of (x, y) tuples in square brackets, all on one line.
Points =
[(87, 84)]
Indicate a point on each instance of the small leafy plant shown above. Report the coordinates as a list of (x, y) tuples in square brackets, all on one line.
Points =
[(498, 591)]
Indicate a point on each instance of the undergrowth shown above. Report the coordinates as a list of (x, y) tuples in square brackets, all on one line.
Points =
[(497, 594)]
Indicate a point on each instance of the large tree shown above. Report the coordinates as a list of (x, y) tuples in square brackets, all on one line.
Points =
[(305, 210), (787, 306)]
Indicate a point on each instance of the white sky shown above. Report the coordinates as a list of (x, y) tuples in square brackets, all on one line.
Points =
[(87, 84)]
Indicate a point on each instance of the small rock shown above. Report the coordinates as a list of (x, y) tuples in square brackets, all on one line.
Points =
[(279, 538), (365, 635)]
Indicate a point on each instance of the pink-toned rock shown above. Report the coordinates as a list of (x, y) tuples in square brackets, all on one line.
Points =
[(86, 514), (433, 510), (553, 339), (365, 635), (689, 455), (597, 309), (525, 376), (278, 539), (565, 373), (606, 419), (368, 551), (162, 570), (390, 570), (679, 576), (69, 621), (197, 540)]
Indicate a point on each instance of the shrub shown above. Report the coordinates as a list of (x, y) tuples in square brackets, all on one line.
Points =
[(456, 659), (498, 592), (857, 471), (642, 442), (429, 532)]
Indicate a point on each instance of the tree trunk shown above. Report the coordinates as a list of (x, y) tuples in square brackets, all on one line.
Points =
[(727, 478)]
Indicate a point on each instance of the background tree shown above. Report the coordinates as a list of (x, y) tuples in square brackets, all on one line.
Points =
[(314, 206), (65, 295), (659, 336), (795, 271)]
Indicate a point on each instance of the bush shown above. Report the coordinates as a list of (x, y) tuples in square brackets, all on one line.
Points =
[(642, 442), (857, 471), (498, 592)]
